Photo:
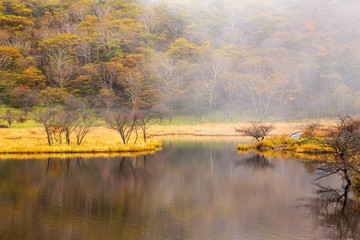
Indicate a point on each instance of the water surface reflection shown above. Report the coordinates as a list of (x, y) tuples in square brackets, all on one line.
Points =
[(256, 162), (336, 212), (191, 190)]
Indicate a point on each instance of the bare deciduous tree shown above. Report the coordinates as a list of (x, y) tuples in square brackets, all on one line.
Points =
[(149, 19), (84, 49), (132, 83), (73, 104), (166, 71), (256, 130), (108, 97), (56, 131), (161, 110), (79, 11), (174, 24), (86, 125), (9, 117), (24, 98), (144, 119), (60, 72), (101, 10), (210, 74), (78, 120), (45, 117), (69, 121), (344, 142), (106, 74), (123, 123)]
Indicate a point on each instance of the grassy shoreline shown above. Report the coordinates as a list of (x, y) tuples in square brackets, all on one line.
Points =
[(32, 139), (100, 140), (313, 146)]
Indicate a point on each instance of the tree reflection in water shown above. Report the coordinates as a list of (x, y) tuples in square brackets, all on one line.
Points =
[(335, 211), (56, 166), (128, 167), (256, 162), (132, 167)]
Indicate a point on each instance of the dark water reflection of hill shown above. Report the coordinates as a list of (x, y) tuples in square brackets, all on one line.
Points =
[(193, 189)]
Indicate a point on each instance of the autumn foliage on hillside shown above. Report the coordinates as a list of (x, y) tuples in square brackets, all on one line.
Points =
[(189, 57)]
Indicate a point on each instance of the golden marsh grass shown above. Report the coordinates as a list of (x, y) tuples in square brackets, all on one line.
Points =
[(100, 140)]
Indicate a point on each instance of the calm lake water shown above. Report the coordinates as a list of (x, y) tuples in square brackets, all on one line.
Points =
[(195, 188)]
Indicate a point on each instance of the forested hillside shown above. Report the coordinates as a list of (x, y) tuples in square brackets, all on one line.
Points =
[(262, 58)]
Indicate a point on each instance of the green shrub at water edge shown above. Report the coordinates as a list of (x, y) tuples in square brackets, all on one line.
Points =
[(264, 144), (280, 140), (303, 141)]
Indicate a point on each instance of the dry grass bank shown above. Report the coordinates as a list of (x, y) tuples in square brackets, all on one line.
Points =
[(228, 129), (101, 140)]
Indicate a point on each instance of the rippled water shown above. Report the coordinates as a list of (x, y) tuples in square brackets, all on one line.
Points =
[(192, 189)]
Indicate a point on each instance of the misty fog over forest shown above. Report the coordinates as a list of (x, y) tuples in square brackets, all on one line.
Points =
[(257, 58)]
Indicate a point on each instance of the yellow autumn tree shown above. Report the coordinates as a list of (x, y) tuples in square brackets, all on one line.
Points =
[(8, 57), (32, 78), (181, 49)]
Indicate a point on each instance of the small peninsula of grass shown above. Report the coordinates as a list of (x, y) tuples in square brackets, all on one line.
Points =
[(313, 145), (100, 140)]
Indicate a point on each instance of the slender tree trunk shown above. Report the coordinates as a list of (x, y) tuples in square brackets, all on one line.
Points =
[(144, 132), (67, 137), (136, 133), (47, 134), (122, 137), (346, 191)]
